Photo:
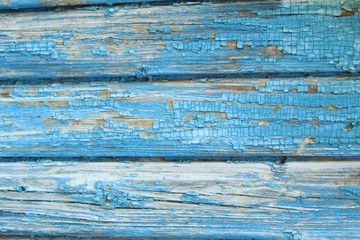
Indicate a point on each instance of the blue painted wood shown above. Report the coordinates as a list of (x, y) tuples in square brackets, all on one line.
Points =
[(296, 200), (209, 117), (272, 37), (62, 98)]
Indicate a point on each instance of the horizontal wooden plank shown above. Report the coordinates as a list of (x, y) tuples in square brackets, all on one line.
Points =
[(261, 37), (208, 117), (297, 200)]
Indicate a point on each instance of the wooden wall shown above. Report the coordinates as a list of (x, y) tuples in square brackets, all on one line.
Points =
[(175, 119)]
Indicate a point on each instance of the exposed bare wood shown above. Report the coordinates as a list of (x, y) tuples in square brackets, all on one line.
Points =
[(297, 200)]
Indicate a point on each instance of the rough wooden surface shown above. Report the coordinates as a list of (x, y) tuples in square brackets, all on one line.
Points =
[(298, 200), (66, 111), (209, 117), (279, 37)]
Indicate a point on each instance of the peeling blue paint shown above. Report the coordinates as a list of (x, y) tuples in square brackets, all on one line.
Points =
[(41, 48), (287, 117), (237, 38), (101, 51)]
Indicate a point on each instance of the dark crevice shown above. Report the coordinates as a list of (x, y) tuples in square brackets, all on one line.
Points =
[(145, 77), (348, 198), (279, 160), (132, 3)]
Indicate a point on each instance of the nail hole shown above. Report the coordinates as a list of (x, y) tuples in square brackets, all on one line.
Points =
[(349, 127)]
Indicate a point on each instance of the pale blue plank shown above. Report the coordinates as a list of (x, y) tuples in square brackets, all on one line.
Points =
[(297, 200)]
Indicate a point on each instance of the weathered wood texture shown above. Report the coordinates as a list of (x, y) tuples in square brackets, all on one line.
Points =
[(61, 98), (298, 200), (280, 37), (209, 117)]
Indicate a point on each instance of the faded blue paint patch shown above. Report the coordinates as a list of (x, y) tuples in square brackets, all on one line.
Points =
[(110, 197), (106, 195), (101, 51), (112, 10), (64, 35)]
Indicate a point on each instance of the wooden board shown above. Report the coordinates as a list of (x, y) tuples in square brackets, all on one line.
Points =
[(182, 40), (208, 117), (298, 200)]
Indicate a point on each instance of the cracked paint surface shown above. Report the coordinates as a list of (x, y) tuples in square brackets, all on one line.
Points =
[(69, 124), (182, 40), (228, 117)]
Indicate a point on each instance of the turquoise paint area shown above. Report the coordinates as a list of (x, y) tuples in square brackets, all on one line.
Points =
[(186, 40), (169, 119), (41, 48)]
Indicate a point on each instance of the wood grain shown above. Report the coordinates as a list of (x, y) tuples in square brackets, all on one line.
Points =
[(208, 117), (272, 79), (181, 40), (297, 200)]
